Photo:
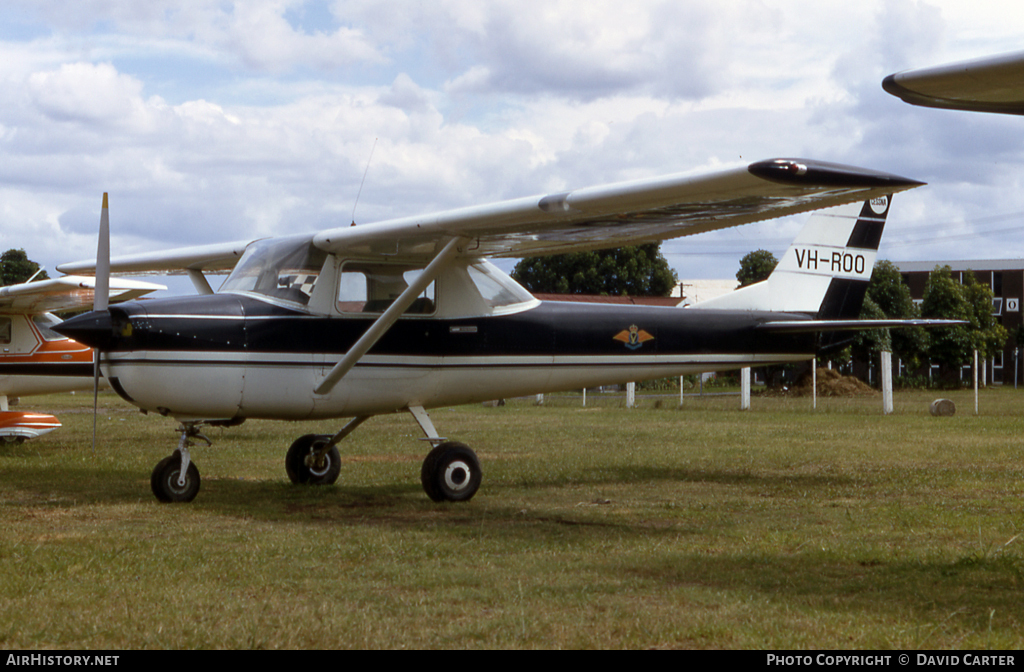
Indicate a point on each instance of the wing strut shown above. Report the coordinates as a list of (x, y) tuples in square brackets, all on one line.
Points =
[(199, 281), (390, 316)]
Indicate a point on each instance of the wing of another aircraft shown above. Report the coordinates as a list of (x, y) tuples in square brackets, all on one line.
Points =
[(67, 293), (216, 258), (628, 213), (991, 84)]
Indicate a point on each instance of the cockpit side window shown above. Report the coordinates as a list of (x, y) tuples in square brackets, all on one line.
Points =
[(371, 287)]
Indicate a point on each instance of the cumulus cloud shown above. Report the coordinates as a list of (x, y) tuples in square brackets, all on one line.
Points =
[(213, 120), (86, 93), (266, 40), (255, 34)]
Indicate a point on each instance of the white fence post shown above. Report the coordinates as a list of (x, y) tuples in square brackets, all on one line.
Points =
[(745, 389), (814, 383), (887, 382), (975, 382)]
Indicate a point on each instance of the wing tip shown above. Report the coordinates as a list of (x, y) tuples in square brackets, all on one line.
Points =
[(804, 172), (893, 85)]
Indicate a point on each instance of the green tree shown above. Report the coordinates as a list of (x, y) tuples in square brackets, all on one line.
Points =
[(953, 347), (950, 348), (755, 267), (987, 336), (868, 344), (892, 297), (16, 267), (640, 270)]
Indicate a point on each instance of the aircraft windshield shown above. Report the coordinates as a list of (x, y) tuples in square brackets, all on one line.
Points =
[(282, 268), (44, 323)]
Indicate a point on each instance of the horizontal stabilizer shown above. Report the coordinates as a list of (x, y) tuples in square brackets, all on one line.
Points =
[(813, 326)]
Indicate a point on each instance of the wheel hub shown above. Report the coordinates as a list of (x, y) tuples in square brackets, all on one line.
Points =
[(318, 463), (456, 476), (176, 482)]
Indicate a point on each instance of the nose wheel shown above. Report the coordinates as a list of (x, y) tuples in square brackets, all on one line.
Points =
[(168, 484)]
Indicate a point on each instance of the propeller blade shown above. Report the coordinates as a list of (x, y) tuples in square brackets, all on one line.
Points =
[(103, 260), (100, 301)]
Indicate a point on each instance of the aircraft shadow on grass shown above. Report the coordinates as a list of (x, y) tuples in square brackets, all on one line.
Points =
[(281, 499)]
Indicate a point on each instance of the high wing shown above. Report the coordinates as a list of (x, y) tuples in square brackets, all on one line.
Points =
[(628, 213), (67, 293), (991, 84)]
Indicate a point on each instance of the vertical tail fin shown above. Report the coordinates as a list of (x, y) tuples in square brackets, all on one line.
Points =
[(826, 270)]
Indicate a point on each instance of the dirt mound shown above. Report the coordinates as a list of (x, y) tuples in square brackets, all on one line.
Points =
[(830, 384), (833, 384)]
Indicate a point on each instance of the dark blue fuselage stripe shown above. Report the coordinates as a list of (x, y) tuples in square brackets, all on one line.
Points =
[(26, 369)]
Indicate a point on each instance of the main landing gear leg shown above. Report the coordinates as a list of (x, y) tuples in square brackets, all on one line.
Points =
[(314, 459), (176, 478), (451, 472)]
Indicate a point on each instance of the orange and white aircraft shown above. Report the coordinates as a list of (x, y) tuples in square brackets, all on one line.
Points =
[(34, 359)]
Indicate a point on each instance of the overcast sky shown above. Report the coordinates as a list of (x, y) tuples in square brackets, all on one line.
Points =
[(212, 120)]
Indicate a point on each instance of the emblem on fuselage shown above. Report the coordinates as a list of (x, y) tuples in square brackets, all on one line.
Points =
[(634, 337)]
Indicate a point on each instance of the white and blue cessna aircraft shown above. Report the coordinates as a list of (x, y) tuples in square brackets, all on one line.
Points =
[(407, 315)]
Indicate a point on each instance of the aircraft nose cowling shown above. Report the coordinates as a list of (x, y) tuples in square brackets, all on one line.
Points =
[(97, 329)]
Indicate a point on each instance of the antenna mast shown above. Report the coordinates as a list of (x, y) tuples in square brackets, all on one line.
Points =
[(360, 192)]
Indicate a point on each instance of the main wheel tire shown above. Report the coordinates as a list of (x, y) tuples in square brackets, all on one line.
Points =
[(451, 473), (300, 462), (164, 480)]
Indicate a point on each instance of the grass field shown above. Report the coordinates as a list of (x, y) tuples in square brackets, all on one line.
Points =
[(596, 527)]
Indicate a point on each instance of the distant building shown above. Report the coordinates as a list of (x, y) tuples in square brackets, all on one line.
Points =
[(695, 291), (1006, 278), (686, 293), (601, 298)]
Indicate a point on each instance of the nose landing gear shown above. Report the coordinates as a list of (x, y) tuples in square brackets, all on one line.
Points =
[(176, 478)]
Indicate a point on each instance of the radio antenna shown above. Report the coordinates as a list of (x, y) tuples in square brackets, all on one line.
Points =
[(360, 192)]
